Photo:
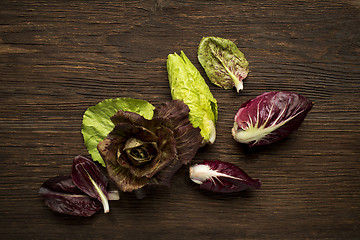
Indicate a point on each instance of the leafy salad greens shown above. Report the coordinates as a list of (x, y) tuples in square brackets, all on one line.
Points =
[(141, 145), (96, 122)]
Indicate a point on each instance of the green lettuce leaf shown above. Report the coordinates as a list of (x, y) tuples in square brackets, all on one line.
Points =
[(189, 86), (96, 122), (223, 62)]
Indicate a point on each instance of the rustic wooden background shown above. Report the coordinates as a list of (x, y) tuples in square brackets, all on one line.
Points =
[(57, 58)]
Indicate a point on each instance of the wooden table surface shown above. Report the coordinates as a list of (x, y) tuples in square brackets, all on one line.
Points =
[(57, 58)]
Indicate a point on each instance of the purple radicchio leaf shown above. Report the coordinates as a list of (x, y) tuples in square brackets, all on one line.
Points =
[(269, 117), (89, 179), (223, 177), (61, 195), (188, 139)]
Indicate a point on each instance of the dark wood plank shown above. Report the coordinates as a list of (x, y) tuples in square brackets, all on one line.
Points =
[(57, 58)]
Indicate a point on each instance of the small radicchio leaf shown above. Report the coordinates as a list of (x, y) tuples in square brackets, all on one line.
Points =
[(61, 195), (89, 179), (223, 177), (269, 117)]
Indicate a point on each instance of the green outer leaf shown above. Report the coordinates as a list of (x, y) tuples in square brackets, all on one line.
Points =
[(224, 64), (96, 122), (189, 86)]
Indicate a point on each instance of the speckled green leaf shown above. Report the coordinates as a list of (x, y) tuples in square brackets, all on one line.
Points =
[(189, 86), (223, 62), (97, 124)]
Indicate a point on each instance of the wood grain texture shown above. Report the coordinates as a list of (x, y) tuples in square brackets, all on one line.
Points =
[(57, 58)]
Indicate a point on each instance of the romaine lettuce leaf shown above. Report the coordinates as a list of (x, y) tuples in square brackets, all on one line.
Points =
[(96, 122), (189, 86)]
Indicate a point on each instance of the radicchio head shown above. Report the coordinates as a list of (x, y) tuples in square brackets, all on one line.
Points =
[(269, 117)]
